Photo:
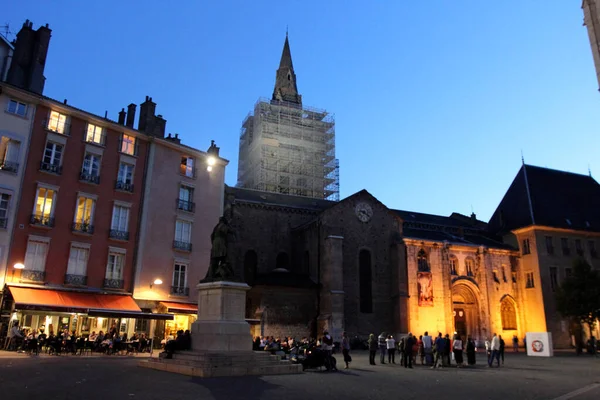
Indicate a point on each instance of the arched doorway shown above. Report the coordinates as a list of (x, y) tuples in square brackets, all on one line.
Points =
[(465, 310)]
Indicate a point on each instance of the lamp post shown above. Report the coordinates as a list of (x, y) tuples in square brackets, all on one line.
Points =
[(157, 281)]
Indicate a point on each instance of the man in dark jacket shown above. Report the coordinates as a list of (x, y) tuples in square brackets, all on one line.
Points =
[(408, 348)]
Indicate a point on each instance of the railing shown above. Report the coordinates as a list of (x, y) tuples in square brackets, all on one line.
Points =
[(66, 127), (118, 235), (4, 223), (184, 205), (9, 166), (35, 276), (179, 245), (124, 186), (114, 283), (84, 176), (78, 280), (180, 291), (41, 220), (82, 227), (49, 167)]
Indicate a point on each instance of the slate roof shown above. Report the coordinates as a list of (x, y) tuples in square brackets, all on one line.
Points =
[(548, 197), (284, 200)]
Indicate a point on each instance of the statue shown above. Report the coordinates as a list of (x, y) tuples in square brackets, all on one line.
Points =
[(219, 268)]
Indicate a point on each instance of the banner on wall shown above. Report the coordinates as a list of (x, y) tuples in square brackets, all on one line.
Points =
[(425, 289), (539, 344)]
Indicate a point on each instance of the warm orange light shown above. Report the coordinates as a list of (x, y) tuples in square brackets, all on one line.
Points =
[(18, 266)]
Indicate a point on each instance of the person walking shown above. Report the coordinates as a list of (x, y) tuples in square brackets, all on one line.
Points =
[(470, 351), (502, 344), (515, 341), (408, 350), (439, 348), (457, 348), (495, 348), (372, 348), (382, 347), (346, 350), (390, 343)]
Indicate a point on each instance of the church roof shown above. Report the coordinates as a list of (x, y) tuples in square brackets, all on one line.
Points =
[(286, 55), (278, 199), (548, 197)]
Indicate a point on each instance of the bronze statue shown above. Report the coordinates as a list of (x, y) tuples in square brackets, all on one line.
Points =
[(219, 268)]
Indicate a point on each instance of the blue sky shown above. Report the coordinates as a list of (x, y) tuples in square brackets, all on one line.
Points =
[(434, 101)]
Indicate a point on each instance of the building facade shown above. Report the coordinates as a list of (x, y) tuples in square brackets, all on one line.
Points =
[(183, 202), (591, 20), (286, 147)]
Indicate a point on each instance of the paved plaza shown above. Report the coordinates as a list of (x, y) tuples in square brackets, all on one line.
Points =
[(117, 377)]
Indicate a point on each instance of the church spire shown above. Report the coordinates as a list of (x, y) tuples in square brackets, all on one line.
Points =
[(285, 81)]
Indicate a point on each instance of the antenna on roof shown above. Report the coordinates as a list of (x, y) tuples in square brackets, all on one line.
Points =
[(522, 157), (589, 170)]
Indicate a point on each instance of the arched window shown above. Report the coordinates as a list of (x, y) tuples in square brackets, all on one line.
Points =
[(283, 261), (453, 265), (509, 315), (250, 265), (306, 263), (365, 281), (422, 262), (469, 266)]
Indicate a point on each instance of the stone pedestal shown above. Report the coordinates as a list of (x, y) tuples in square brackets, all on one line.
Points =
[(221, 339)]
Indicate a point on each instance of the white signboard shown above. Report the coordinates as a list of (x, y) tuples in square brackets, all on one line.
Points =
[(539, 344)]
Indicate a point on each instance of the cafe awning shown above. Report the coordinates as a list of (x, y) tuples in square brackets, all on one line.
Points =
[(180, 308), (93, 304)]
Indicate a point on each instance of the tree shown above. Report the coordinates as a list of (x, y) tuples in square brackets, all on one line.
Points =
[(579, 295)]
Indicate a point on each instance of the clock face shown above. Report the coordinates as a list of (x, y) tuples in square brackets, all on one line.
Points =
[(364, 212)]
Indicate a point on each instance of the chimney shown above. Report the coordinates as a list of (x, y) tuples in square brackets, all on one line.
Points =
[(473, 217), (160, 126), (213, 149), (122, 114), (130, 115), (147, 110)]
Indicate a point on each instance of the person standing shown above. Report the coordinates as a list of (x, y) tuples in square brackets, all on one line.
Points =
[(439, 348), (327, 345), (408, 350), (346, 350), (515, 341), (421, 350), (402, 349), (390, 343), (446, 354), (428, 348), (457, 348), (495, 348), (382, 347), (372, 348), (502, 344), (470, 351)]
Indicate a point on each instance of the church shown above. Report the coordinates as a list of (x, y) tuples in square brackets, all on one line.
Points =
[(315, 262)]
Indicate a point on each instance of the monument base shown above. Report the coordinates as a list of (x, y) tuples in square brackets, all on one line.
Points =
[(221, 340)]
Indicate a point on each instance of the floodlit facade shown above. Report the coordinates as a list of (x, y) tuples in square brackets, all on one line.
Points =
[(286, 147)]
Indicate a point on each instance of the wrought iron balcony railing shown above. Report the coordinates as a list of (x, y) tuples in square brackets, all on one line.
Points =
[(84, 176), (124, 186), (41, 220), (77, 280), (118, 235), (179, 245), (50, 167), (184, 205), (9, 166), (114, 283), (180, 291), (35, 276), (83, 227)]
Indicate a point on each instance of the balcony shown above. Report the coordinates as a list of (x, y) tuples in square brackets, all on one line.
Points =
[(114, 283), (41, 220), (52, 168), (186, 205), (84, 176), (61, 129), (9, 166), (124, 186), (183, 246), (83, 227), (3, 223), (76, 280), (180, 291), (118, 235), (34, 276)]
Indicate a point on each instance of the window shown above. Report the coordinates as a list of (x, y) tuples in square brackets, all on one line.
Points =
[(553, 278), (128, 144), (526, 249), (568, 272), (453, 265), (120, 219), (125, 173), (9, 151), (422, 263), (578, 247), (187, 166), (508, 315), (592, 247), (95, 134), (84, 214), (44, 203), (549, 245), (564, 243), (495, 275), (53, 154), (4, 201), (530, 283), (114, 268), (17, 108), (58, 123), (91, 168), (514, 277), (504, 274), (183, 231), (179, 276), (185, 201), (365, 282), (78, 259), (35, 257), (469, 264)]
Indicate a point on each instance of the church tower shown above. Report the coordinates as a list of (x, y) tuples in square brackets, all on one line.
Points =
[(286, 147), (591, 19)]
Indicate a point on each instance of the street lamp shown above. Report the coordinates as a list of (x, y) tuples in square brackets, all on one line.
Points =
[(210, 161), (157, 281), (18, 266)]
